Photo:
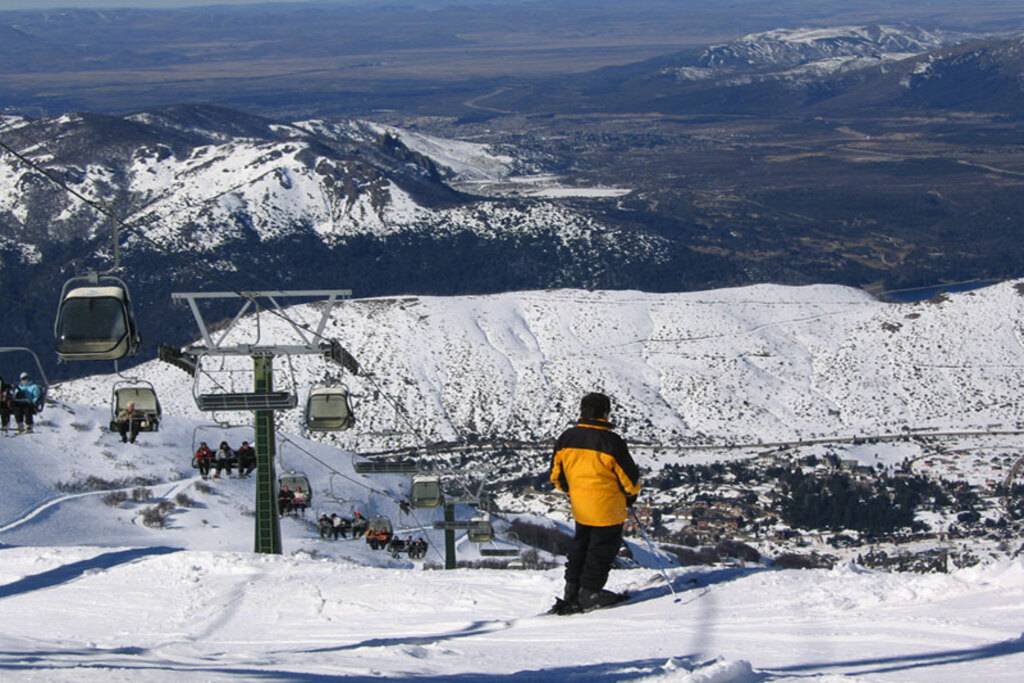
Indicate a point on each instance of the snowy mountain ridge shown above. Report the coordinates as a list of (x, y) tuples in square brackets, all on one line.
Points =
[(792, 47), (261, 180)]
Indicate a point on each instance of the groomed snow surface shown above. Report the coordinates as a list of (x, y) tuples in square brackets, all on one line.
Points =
[(91, 594)]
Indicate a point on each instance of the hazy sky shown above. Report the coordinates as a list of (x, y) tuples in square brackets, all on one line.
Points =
[(150, 4)]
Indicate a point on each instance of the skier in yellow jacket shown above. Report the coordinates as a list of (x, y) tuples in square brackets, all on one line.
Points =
[(592, 464)]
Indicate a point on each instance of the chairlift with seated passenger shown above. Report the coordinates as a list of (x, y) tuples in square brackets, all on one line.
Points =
[(43, 383), (298, 484), (212, 434), (95, 320), (378, 525), (426, 491), (328, 409), (142, 395)]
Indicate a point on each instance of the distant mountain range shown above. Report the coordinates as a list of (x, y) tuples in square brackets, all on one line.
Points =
[(811, 71), (211, 196)]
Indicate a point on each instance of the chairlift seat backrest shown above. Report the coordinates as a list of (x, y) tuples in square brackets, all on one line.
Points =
[(480, 531), (144, 399), (95, 323), (426, 492), (328, 409), (146, 402)]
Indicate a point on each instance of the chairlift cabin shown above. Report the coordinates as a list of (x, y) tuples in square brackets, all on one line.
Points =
[(142, 395), (328, 409), (426, 491), (296, 481), (95, 321), (480, 530)]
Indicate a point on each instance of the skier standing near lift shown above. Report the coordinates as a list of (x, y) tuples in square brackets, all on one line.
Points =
[(593, 465)]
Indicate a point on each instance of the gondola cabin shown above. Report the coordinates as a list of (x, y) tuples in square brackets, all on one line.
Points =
[(328, 410), (426, 492), (145, 401), (480, 530), (95, 323)]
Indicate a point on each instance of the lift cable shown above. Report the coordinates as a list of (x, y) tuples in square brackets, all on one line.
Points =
[(401, 503)]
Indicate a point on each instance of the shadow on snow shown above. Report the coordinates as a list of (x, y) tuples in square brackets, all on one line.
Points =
[(880, 665), (72, 571)]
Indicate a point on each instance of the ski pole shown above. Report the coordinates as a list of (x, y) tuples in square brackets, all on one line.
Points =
[(657, 558)]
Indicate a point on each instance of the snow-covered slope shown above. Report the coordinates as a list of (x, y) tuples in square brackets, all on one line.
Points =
[(764, 363), (92, 594), (201, 178), (108, 597)]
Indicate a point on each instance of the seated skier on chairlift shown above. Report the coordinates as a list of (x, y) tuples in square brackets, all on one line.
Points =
[(299, 500), (128, 422), (246, 455), (340, 526), (284, 500), (225, 459), (203, 460), (324, 526), (6, 403), (28, 400)]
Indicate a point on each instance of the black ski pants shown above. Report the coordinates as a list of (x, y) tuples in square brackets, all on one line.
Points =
[(24, 413), (591, 556)]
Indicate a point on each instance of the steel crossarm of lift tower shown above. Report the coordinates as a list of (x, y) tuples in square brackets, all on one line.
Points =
[(312, 342), (452, 525)]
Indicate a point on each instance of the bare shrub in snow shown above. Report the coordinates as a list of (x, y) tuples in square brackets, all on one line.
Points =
[(115, 498)]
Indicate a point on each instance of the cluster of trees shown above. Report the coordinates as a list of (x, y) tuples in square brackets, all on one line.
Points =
[(674, 475), (836, 501)]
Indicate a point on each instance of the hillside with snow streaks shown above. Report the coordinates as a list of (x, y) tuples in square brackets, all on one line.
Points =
[(272, 189), (203, 178), (757, 364), (791, 47)]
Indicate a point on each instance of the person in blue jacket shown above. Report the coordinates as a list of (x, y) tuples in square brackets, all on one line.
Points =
[(28, 399)]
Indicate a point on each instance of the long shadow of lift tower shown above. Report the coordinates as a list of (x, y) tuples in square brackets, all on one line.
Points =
[(217, 381)]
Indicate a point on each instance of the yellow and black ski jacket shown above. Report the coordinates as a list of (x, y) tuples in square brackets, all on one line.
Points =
[(592, 464)]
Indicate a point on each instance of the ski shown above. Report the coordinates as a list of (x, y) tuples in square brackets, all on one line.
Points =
[(563, 608)]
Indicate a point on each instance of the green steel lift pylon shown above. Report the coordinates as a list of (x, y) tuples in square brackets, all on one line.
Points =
[(263, 401), (268, 520)]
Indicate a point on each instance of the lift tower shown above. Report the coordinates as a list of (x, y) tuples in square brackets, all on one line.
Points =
[(263, 401)]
